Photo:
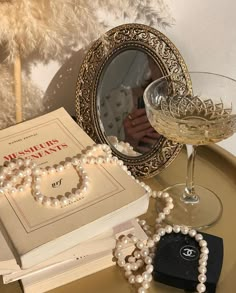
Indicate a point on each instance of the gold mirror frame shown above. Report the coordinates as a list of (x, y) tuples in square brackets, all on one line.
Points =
[(165, 55)]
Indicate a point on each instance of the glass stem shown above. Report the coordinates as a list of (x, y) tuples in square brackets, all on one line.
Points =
[(189, 195)]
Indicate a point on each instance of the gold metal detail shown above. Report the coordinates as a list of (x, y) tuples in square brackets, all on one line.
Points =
[(125, 37)]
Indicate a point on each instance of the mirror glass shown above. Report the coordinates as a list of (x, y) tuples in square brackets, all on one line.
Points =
[(120, 101)]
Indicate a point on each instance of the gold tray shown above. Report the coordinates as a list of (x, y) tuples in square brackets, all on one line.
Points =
[(215, 169)]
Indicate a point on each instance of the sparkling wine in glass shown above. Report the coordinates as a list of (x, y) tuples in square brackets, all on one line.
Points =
[(200, 116)]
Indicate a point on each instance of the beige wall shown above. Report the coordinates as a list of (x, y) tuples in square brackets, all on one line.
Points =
[(204, 33)]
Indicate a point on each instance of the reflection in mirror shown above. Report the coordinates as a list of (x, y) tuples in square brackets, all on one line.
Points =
[(121, 107)]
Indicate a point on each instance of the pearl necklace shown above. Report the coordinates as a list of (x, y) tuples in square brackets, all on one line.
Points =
[(143, 253), (21, 174)]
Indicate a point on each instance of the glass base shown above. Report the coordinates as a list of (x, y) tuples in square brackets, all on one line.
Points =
[(201, 214)]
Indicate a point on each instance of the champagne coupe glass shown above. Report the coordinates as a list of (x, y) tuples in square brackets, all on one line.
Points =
[(200, 114)]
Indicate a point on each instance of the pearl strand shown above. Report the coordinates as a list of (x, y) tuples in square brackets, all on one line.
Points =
[(144, 252), (21, 174)]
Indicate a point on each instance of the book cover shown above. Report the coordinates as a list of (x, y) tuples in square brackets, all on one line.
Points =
[(74, 270), (35, 232), (103, 242)]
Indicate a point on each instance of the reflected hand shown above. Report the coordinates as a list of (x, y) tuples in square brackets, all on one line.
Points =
[(139, 132)]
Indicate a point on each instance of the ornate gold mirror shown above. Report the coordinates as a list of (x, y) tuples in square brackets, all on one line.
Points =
[(109, 91)]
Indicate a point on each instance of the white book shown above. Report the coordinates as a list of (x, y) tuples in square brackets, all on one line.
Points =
[(35, 232), (104, 242), (76, 269)]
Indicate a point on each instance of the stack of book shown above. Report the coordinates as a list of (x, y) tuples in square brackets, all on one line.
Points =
[(46, 247)]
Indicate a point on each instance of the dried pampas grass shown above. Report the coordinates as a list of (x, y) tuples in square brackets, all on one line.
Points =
[(45, 30), (51, 30), (32, 99)]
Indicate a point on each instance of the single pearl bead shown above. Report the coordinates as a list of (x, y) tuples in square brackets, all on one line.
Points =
[(154, 194), (60, 168), (127, 267), (44, 172), (149, 268), (64, 200), (159, 194), (33, 165), (37, 179), (20, 188), (184, 230), (203, 256), (139, 279), (166, 211), (20, 174), (72, 197), (12, 190), (198, 237), (134, 266), (201, 288), (202, 243), (7, 184), (150, 243), (148, 260), (202, 269), (27, 171), (14, 179), (202, 262), (161, 216), (55, 202), (169, 200), (137, 254), (131, 279), (75, 161), (145, 285), (119, 245), (27, 162), (51, 170), (12, 165), (46, 201), (36, 171), (2, 191), (156, 238), (39, 197), (161, 231), (165, 195), (144, 252), (36, 187), (202, 278), (125, 240), (19, 162), (142, 222), (67, 165), (118, 254), (192, 233), (145, 276), (121, 262), (168, 229), (170, 205), (128, 274), (205, 250), (140, 263), (139, 244)]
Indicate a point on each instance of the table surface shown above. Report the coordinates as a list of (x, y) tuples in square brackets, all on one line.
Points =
[(216, 169)]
